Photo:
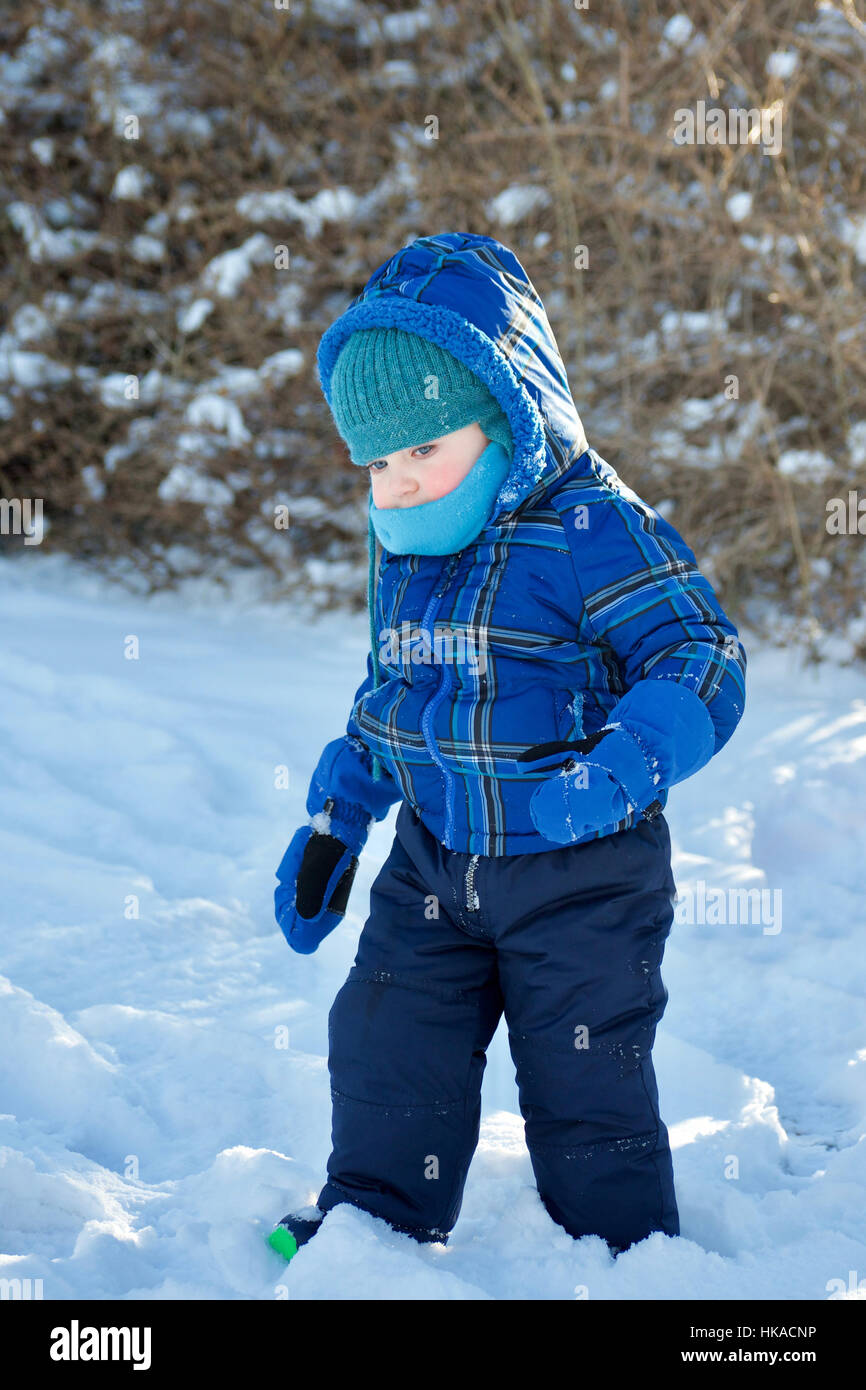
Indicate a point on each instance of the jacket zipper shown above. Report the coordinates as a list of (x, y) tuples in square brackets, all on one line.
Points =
[(472, 901), (433, 704)]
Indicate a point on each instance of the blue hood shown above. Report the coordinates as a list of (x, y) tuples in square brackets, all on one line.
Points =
[(471, 296)]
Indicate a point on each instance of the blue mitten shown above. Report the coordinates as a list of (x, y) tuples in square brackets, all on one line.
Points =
[(593, 787), (315, 875)]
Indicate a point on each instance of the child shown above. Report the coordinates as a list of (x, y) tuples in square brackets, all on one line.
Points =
[(586, 668)]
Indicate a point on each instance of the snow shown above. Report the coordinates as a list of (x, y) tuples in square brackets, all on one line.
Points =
[(336, 10), (43, 149), (21, 72), (212, 403), (809, 464), (711, 448), (516, 202), (739, 205), (122, 390), (132, 181), (680, 34), (396, 72), (696, 413), (286, 304), (187, 483), (191, 318), (678, 30), (328, 205), (45, 246), (768, 245), (147, 249), (396, 28), (857, 443), (853, 233), (28, 324), (695, 323), (783, 63), (226, 273), (93, 482), (163, 1054), (220, 414), (30, 369), (285, 363)]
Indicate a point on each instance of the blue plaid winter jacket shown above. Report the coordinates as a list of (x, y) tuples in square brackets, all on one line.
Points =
[(577, 606)]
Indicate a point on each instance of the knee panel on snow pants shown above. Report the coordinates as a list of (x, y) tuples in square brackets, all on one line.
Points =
[(569, 945)]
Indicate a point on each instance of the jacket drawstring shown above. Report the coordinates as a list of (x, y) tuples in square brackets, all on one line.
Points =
[(371, 609)]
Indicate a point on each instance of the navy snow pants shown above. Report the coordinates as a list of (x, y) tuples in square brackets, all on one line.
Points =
[(568, 943)]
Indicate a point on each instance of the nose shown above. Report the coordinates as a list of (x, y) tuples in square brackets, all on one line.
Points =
[(403, 486)]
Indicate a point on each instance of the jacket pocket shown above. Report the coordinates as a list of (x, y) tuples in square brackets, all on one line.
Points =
[(569, 714)]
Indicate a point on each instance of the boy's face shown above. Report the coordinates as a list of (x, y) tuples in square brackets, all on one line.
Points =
[(409, 477)]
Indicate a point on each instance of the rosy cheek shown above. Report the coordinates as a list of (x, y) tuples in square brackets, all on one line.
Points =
[(445, 480)]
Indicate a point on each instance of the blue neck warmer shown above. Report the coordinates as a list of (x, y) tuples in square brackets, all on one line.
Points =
[(449, 523), (441, 527)]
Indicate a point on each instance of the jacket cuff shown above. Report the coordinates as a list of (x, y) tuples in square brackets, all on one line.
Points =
[(345, 773), (670, 725), (343, 800)]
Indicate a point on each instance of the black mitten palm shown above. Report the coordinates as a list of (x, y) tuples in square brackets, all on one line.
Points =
[(316, 875)]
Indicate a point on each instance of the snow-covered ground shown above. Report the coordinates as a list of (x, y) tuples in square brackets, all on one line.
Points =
[(163, 1054)]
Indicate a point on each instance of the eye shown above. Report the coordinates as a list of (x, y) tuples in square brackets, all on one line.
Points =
[(377, 465)]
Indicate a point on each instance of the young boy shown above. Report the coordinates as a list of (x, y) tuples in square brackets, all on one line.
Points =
[(547, 661)]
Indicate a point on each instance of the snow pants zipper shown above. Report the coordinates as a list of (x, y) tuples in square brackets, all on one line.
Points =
[(472, 901)]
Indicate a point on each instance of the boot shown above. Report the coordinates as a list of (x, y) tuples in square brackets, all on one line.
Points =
[(295, 1229)]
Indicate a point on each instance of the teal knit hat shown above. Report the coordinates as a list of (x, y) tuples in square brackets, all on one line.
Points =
[(391, 390)]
